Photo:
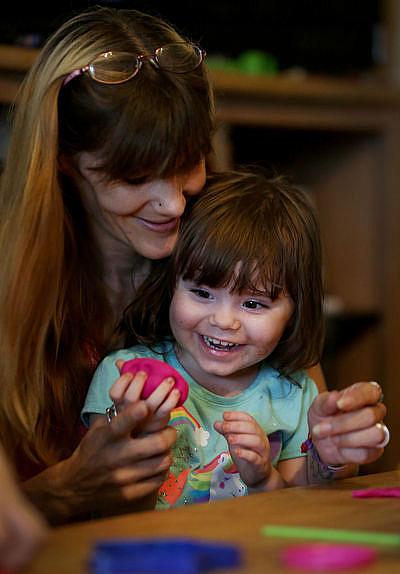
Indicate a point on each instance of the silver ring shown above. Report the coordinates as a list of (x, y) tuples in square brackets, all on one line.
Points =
[(111, 412), (386, 437)]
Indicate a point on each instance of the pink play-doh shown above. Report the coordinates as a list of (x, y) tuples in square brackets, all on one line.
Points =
[(321, 557), (157, 371)]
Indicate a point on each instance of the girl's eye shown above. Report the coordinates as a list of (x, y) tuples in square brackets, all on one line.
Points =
[(251, 304), (202, 293)]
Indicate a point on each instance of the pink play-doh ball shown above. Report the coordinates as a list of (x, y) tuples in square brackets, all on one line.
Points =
[(325, 557), (157, 371)]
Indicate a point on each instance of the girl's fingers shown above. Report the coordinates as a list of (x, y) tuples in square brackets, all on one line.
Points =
[(119, 363), (169, 404), (237, 416), (248, 441), (241, 427), (127, 388), (118, 389), (247, 455), (158, 396), (134, 390)]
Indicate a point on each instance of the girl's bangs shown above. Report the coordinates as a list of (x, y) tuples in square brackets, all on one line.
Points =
[(230, 263)]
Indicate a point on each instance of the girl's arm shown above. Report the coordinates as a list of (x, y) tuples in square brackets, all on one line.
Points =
[(305, 470)]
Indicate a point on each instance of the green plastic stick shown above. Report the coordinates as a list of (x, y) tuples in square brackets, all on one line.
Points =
[(332, 534)]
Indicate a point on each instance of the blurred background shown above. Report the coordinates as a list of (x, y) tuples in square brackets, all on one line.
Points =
[(311, 89), (330, 36)]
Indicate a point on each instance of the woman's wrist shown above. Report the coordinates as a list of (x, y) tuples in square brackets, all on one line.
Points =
[(319, 471), (50, 492)]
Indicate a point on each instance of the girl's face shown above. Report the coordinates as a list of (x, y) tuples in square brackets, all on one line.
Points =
[(143, 217), (221, 334)]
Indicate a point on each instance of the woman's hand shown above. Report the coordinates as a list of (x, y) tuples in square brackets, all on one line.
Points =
[(22, 529), (112, 470), (346, 426), (248, 445)]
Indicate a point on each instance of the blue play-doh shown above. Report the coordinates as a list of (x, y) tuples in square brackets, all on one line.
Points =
[(162, 556)]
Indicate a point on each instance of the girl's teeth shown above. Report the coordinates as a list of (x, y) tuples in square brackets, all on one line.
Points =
[(217, 343)]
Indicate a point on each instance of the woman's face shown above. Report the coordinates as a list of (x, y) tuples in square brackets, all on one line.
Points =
[(143, 217)]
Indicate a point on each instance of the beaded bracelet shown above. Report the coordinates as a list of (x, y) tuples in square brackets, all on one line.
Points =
[(327, 470)]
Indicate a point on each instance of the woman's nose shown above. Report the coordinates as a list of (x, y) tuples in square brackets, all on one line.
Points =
[(224, 317), (171, 193)]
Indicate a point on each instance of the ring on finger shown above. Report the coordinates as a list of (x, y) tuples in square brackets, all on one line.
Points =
[(386, 435), (111, 412)]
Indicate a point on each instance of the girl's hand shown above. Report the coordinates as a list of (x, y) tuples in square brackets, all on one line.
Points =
[(113, 470), (248, 445), (127, 390), (346, 426)]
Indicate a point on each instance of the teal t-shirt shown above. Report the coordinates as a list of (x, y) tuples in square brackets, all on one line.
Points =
[(202, 468)]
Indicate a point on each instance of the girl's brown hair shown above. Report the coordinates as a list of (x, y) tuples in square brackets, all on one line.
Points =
[(53, 308), (271, 228)]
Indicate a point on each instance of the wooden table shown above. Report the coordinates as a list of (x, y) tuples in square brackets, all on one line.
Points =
[(239, 521)]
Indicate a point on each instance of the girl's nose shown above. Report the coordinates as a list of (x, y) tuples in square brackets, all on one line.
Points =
[(224, 317)]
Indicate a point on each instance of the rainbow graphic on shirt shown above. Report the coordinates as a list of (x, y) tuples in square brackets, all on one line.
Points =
[(181, 416), (212, 480)]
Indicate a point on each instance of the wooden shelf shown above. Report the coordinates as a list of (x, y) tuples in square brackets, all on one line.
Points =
[(306, 89)]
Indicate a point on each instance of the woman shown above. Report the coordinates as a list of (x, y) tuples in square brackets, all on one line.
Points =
[(111, 132), (105, 149)]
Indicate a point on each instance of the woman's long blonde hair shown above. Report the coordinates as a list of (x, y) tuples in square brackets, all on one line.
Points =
[(52, 308)]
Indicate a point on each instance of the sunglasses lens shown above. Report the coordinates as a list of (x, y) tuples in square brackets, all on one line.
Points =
[(114, 68), (179, 58)]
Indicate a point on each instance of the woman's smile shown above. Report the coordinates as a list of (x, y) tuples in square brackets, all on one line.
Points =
[(165, 226)]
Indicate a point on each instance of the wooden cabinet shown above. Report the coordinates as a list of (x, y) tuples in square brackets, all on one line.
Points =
[(341, 140)]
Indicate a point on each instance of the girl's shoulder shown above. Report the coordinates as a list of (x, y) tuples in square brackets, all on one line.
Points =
[(283, 386), (158, 351)]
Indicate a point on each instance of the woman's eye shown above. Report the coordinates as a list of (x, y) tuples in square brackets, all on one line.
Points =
[(202, 293), (140, 180)]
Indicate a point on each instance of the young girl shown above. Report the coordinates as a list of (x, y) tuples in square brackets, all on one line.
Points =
[(243, 293)]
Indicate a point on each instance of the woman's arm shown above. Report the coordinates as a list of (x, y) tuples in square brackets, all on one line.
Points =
[(111, 470)]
